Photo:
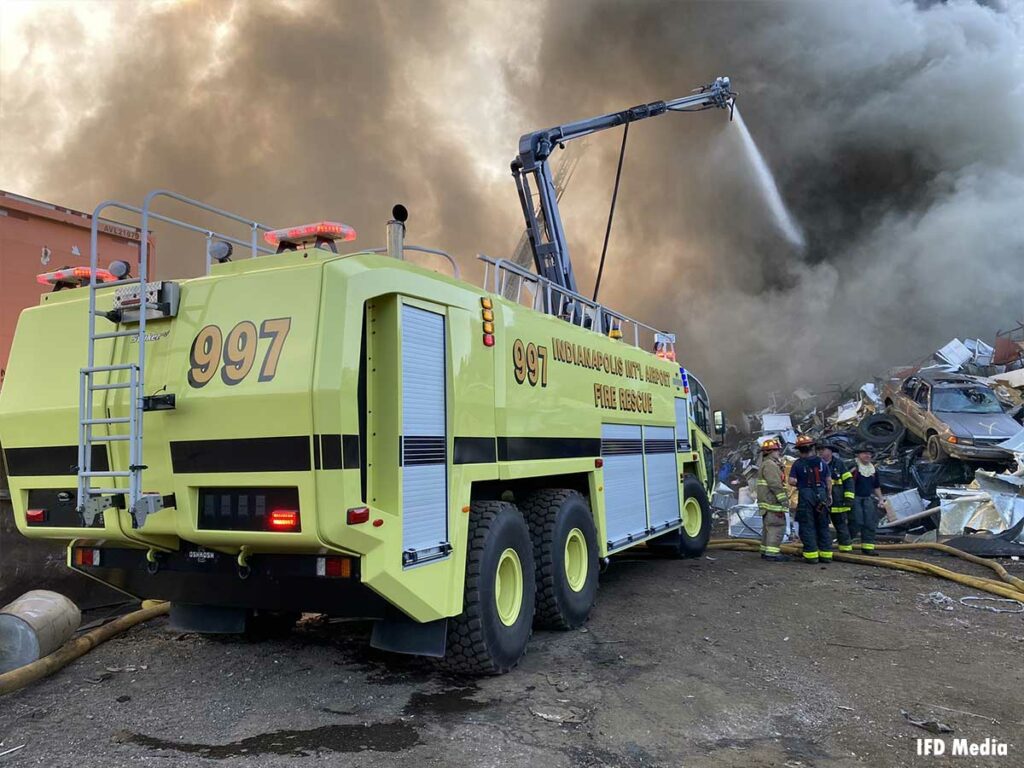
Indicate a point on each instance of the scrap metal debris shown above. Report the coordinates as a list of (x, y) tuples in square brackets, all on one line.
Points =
[(932, 726), (978, 601), (924, 497), (938, 600)]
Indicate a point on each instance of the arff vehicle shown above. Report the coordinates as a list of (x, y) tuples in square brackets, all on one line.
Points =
[(953, 415), (355, 435)]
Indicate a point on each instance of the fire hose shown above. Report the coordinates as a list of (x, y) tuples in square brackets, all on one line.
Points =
[(1007, 586), (79, 646)]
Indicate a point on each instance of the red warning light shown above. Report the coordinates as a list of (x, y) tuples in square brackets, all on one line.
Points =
[(74, 275), (310, 233), (283, 520)]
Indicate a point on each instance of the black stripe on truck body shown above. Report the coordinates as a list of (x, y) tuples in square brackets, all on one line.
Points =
[(51, 460)]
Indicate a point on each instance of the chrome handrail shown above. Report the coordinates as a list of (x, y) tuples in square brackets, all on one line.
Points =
[(456, 272)]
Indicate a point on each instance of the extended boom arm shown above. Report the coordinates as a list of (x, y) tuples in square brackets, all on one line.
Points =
[(544, 225)]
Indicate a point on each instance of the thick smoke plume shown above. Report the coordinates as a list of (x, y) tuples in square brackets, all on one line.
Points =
[(894, 130)]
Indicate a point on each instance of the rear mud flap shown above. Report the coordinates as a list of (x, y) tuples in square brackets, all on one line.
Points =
[(400, 635), (207, 619)]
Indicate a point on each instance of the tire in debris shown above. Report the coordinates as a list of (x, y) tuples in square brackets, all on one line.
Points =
[(934, 450), (566, 555), (691, 540), (881, 430), (490, 635)]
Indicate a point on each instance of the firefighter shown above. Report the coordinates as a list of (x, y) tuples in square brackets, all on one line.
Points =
[(771, 501), (813, 482), (842, 495), (867, 496)]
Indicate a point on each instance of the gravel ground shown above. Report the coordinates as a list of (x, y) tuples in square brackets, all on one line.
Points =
[(724, 661)]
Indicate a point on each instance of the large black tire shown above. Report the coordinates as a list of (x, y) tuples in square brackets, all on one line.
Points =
[(880, 430), (562, 523), (479, 641), (681, 542)]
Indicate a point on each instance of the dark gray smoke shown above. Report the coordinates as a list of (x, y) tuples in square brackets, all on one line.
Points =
[(894, 130)]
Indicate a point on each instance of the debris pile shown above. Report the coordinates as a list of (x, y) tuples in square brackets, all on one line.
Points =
[(947, 435)]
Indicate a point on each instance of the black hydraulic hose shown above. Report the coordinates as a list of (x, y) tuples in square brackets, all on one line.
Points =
[(611, 212)]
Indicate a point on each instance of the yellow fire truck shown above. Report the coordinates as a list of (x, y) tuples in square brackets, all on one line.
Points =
[(356, 435)]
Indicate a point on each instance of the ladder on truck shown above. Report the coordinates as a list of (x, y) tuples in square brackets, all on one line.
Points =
[(101, 489)]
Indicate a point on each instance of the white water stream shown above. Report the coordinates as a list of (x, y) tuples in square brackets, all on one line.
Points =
[(769, 189)]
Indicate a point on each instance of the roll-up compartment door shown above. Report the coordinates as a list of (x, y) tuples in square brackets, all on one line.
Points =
[(424, 438), (662, 480), (624, 497)]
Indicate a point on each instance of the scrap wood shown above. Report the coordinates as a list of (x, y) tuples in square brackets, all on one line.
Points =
[(964, 712), (932, 726), (870, 647), (866, 618)]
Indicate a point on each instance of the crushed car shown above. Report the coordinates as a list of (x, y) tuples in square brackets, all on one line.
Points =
[(954, 415)]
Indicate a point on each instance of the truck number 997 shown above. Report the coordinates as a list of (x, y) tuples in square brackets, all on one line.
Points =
[(530, 363), (237, 351)]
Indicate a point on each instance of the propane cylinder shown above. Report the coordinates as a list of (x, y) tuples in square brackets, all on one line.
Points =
[(35, 625)]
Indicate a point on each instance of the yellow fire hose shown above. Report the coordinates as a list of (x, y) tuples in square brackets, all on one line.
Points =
[(1009, 587), (79, 646)]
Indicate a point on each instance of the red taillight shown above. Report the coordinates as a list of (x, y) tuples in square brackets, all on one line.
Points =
[(283, 520), (488, 339), (329, 230), (357, 515), (86, 557), (74, 275), (334, 567), (598, 463), (35, 516)]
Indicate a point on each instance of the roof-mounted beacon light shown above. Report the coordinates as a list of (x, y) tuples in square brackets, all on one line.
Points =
[(73, 277), (321, 235)]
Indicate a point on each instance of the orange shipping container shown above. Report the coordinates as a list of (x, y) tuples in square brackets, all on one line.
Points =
[(37, 237)]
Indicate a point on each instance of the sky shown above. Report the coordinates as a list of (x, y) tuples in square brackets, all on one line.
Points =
[(894, 131)]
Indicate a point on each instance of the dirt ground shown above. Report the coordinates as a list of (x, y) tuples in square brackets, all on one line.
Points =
[(723, 661)]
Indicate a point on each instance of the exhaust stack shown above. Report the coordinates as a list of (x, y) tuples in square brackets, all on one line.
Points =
[(396, 232)]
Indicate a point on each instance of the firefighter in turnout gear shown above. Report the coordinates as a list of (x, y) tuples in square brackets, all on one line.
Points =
[(813, 482), (771, 501), (842, 495), (867, 499)]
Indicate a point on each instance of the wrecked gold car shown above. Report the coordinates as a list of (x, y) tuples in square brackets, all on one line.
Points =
[(953, 415)]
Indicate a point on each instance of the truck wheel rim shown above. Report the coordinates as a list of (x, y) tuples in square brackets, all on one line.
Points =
[(577, 561), (508, 587), (692, 517)]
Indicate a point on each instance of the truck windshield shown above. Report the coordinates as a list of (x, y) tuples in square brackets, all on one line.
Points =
[(965, 400)]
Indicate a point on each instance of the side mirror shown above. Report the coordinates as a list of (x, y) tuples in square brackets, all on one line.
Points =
[(719, 417)]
